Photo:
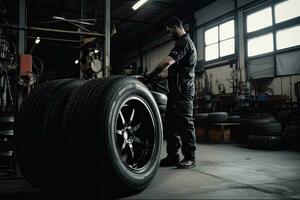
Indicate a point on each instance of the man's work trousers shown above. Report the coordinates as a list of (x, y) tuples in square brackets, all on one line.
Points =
[(179, 125)]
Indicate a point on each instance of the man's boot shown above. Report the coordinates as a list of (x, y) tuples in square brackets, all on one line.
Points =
[(186, 163), (170, 160)]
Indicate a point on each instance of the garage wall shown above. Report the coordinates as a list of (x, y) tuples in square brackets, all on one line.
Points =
[(285, 86), (206, 17), (220, 75), (219, 72), (154, 56)]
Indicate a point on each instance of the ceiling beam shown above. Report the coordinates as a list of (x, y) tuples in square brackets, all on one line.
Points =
[(41, 13)]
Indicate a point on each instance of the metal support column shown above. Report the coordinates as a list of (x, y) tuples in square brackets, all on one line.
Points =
[(22, 23), (22, 43), (82, 15), (107, 40)]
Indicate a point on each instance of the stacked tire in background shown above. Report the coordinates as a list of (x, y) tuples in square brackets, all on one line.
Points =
[(7, 145), (85, 138), (210, 127), (292, 130), (261, 133)]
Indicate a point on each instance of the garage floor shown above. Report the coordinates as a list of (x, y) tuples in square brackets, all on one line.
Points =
[(224, 171)]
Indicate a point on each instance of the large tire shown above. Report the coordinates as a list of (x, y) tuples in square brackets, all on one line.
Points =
[(160, 98), (265, 142), (200, 118), (265, 129), (248, 121), (292, 137), (257, 120), (294, 117), (217, 117), (40, 136), (100, 117)]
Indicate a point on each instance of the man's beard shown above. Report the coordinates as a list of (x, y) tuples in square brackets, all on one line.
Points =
[(174, 36)]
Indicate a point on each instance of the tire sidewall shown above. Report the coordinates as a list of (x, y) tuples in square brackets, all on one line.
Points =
[(139, 179)]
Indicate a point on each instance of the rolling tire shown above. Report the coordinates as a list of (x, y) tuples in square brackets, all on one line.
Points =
[(160, 98), (40, 136), (117, 125), (162, 109)]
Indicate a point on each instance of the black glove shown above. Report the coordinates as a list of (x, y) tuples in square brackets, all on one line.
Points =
[(152, 76)]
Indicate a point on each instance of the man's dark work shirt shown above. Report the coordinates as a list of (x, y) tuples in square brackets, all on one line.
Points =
[(181, 74)]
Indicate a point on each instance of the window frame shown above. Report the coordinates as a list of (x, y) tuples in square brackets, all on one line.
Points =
[(218, 23), (271, 29)]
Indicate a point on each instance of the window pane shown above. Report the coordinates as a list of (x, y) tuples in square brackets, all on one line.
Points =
[(260, 45), (211, 52), (288, 37), (259, 20), (227, 47), (227, 30), (287, 10), (211, 36)]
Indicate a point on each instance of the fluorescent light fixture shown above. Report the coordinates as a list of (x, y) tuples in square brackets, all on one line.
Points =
[(138, 4), (37, 40)]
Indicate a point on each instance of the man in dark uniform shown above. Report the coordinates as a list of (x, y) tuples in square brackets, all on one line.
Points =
[(180, 131)]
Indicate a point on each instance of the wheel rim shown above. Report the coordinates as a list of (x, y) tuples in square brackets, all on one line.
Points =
[(135, 133)]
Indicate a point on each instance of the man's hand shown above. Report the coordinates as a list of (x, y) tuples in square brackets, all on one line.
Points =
[(152, 75)]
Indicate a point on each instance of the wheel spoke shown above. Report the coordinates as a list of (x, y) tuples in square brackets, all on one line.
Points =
[(131, 150), (122, 117), (135, 128), (124, 145), (132, 115), (119, 132), (137, 140)]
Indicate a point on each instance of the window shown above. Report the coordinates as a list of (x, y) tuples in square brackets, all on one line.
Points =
[(260, 19), (288, 37), (219, 41), (287, 10), (260, 45), (262, 32)]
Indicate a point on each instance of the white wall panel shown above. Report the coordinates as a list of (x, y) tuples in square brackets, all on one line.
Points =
[(285, 86), (153, 57), (219, 75), (213, 11)]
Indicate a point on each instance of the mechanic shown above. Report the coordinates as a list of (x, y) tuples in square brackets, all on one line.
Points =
[(180, 128)]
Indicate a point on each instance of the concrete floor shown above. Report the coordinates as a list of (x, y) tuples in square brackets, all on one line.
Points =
[(224, 171), (228, 171)]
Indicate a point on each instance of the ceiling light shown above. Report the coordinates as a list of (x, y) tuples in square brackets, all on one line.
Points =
[(76, 61), (37, 40), (138, 4), (96, 51)]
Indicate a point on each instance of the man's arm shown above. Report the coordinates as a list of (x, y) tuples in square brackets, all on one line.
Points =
[(164, 64)]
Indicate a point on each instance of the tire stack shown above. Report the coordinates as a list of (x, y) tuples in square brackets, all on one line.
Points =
[(200, 122), (7, 145), (217, 117), (262, 133), (84, 138), (292, 131), (206, 131)]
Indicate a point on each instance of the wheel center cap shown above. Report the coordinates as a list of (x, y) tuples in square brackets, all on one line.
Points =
[(129, 131)]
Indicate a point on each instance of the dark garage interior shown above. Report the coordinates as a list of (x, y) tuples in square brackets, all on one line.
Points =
[(80, 116)]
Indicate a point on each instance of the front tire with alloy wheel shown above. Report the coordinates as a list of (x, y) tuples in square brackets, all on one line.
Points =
[(117, 124)]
